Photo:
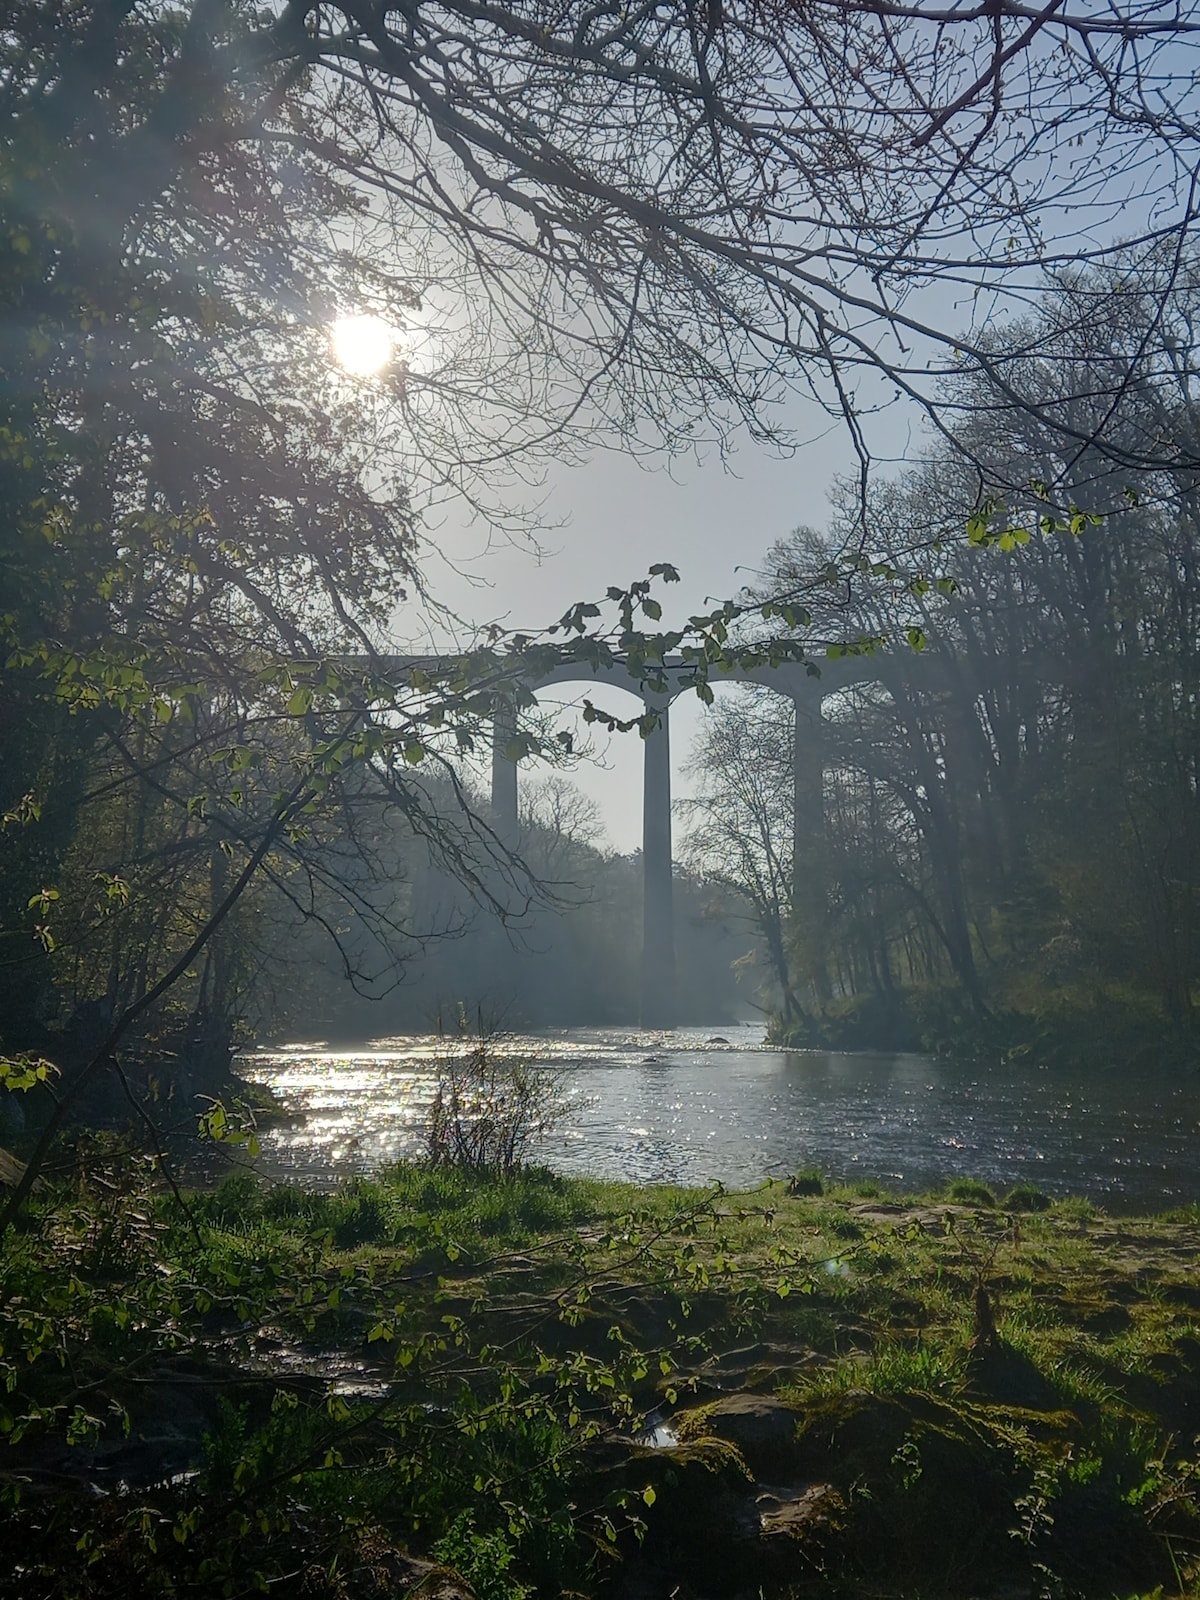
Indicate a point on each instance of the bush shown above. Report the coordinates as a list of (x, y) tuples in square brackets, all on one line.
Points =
[(969, 1192), (1027, 1197), (491, 1108), (483, 1559), (361, 1215), (806, 1183)]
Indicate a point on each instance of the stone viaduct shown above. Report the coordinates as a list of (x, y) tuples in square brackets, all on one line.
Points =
[(793, 680)]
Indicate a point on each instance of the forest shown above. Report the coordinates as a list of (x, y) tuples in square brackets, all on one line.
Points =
[(1003, 854), (215, 530)]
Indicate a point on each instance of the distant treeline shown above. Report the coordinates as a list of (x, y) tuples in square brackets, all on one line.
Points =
[(385, 917), (560, 944)]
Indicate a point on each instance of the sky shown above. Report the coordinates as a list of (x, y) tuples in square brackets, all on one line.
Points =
[(714, 521)]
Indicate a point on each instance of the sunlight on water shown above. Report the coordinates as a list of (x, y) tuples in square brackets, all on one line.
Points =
[(691, 1105)]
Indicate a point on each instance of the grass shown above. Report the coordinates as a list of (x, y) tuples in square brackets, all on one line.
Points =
[(408, 1203), (967, 1192), (501, 1327), (890, 1367)]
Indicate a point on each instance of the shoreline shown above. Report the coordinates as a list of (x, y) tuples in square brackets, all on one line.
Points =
[(741, 1116)]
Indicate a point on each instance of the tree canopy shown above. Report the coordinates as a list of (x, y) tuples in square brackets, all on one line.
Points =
[(663, 214)]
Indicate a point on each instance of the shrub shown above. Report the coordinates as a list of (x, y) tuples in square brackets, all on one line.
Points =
[(808, 1182), (1027, 1197), (483, 1559), (491, 1108), (969, 1192)]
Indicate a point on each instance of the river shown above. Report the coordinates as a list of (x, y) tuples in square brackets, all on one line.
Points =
[(684, 1107)]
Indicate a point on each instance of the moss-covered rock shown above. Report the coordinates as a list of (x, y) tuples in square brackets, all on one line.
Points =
[(697, 1505), (929, 1485), (760, 1427)]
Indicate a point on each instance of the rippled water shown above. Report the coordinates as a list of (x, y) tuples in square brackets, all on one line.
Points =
[(678, 1107)]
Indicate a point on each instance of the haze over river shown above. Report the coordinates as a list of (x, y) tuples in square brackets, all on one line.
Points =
[(678, 1107)]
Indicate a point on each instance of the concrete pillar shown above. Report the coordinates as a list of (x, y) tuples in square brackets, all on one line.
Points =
[(658, 902), (808, 842), (504, 776)]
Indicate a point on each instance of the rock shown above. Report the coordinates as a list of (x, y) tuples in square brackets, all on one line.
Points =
[(702, 1527), (806, 1516), (929, 1483), (1104, 1545), (761, 1428), (760, 1367), (434, 1583), (11, 1170), (704, 1468), (380, 1570)]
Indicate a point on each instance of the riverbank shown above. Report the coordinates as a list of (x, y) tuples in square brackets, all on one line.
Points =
[(543, 1385), (1051, 1027)]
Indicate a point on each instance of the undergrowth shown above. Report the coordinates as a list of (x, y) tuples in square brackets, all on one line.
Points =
[(201, 1394)]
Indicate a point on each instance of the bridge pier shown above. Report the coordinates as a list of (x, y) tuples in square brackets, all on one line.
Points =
[(658, 889), (504, 777), (658, 998), (808, 835)]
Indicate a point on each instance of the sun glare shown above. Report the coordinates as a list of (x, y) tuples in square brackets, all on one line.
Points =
[(362, 344)]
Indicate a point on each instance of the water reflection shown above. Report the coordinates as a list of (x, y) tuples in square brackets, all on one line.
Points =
[(678, 1107)]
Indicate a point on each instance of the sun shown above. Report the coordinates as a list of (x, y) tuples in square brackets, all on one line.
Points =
[(363, 344)]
